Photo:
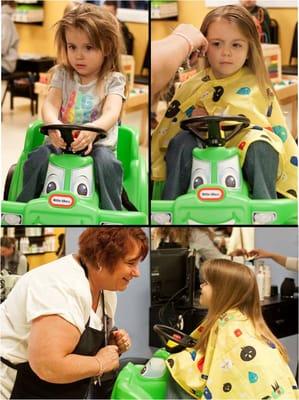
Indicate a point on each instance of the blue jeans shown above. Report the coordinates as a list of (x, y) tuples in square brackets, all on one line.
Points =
[(259, 169), (108, 175)]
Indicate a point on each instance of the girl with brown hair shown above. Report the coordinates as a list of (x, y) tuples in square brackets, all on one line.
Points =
[(234, 82), (87, 88), (236, 356)]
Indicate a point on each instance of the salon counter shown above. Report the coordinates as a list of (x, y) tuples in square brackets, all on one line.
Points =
[(281, 315)]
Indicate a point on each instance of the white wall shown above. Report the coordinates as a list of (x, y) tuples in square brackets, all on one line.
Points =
[(281, 240)]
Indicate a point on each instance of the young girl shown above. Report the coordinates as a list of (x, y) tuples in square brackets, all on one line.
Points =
[(237, 356), (86, 88), (235, 82)]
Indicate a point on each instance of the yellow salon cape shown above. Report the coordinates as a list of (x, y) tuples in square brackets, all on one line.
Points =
[(234, 95), (237, 365)]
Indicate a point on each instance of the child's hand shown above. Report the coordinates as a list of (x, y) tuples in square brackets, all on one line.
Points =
[(121, 339), (82, 140), (56, 139)]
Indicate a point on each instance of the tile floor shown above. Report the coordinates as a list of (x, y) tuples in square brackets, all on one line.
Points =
[(13, 130)]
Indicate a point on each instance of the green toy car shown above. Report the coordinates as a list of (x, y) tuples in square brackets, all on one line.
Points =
[(69, 196), (150, 381), (218, 193)]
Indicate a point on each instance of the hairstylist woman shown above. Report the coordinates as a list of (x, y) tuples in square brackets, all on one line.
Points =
[(56, 322)]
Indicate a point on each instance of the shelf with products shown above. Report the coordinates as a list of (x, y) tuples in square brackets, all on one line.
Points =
[(39, 244), (29, 12)]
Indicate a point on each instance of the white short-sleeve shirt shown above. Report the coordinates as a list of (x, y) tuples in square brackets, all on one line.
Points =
[(60, 288), (83, 103)]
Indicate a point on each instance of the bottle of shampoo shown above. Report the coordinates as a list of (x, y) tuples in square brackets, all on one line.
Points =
[(260, 282), (267, 283)]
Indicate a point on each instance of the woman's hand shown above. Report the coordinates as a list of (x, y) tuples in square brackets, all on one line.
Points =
[(108, 358), (121, 339), (259, 253), (56, 139), (238, 253), (82, 140), (194, 35)]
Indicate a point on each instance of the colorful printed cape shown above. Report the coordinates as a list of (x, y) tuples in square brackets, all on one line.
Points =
[(238, 94), (237, 365)]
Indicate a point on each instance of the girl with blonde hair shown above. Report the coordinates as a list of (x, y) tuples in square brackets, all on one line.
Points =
[(236, 356), (234, 82), (87, 88)]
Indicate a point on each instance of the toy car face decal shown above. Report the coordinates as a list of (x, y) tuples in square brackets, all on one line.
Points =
[(54, 179), (81, 181), (201, 173), (229, 173)]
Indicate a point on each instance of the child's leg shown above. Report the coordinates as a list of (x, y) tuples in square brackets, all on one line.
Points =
[(260, 170), (179, 164), (35, 172), (109, 177)]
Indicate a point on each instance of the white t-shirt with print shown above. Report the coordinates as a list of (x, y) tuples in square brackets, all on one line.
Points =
[(83, 103), (60, 288)]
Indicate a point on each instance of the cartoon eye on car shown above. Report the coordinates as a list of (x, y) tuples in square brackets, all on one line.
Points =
[(69, 195), (218, 193)]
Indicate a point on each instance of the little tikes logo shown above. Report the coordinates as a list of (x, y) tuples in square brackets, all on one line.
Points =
[(61, 200), (210, 194)]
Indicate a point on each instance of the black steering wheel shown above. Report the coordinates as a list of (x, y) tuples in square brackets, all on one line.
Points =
[(66, 131), (207, 128), (167, 333)]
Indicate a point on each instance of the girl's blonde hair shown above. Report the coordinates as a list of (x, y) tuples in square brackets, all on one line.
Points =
[(102, 29), (234, 286), (243, 19)]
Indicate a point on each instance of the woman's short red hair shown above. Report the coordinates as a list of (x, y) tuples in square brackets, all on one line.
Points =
[(107, 246)]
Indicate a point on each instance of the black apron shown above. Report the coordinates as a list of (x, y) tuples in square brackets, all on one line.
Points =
[(29, 386)]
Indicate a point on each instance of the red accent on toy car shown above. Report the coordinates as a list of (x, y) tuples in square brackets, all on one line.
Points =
[(210, 194), (61, 200)]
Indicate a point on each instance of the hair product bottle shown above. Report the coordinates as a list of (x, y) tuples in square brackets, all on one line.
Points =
[(267, 283), (260, 281)]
